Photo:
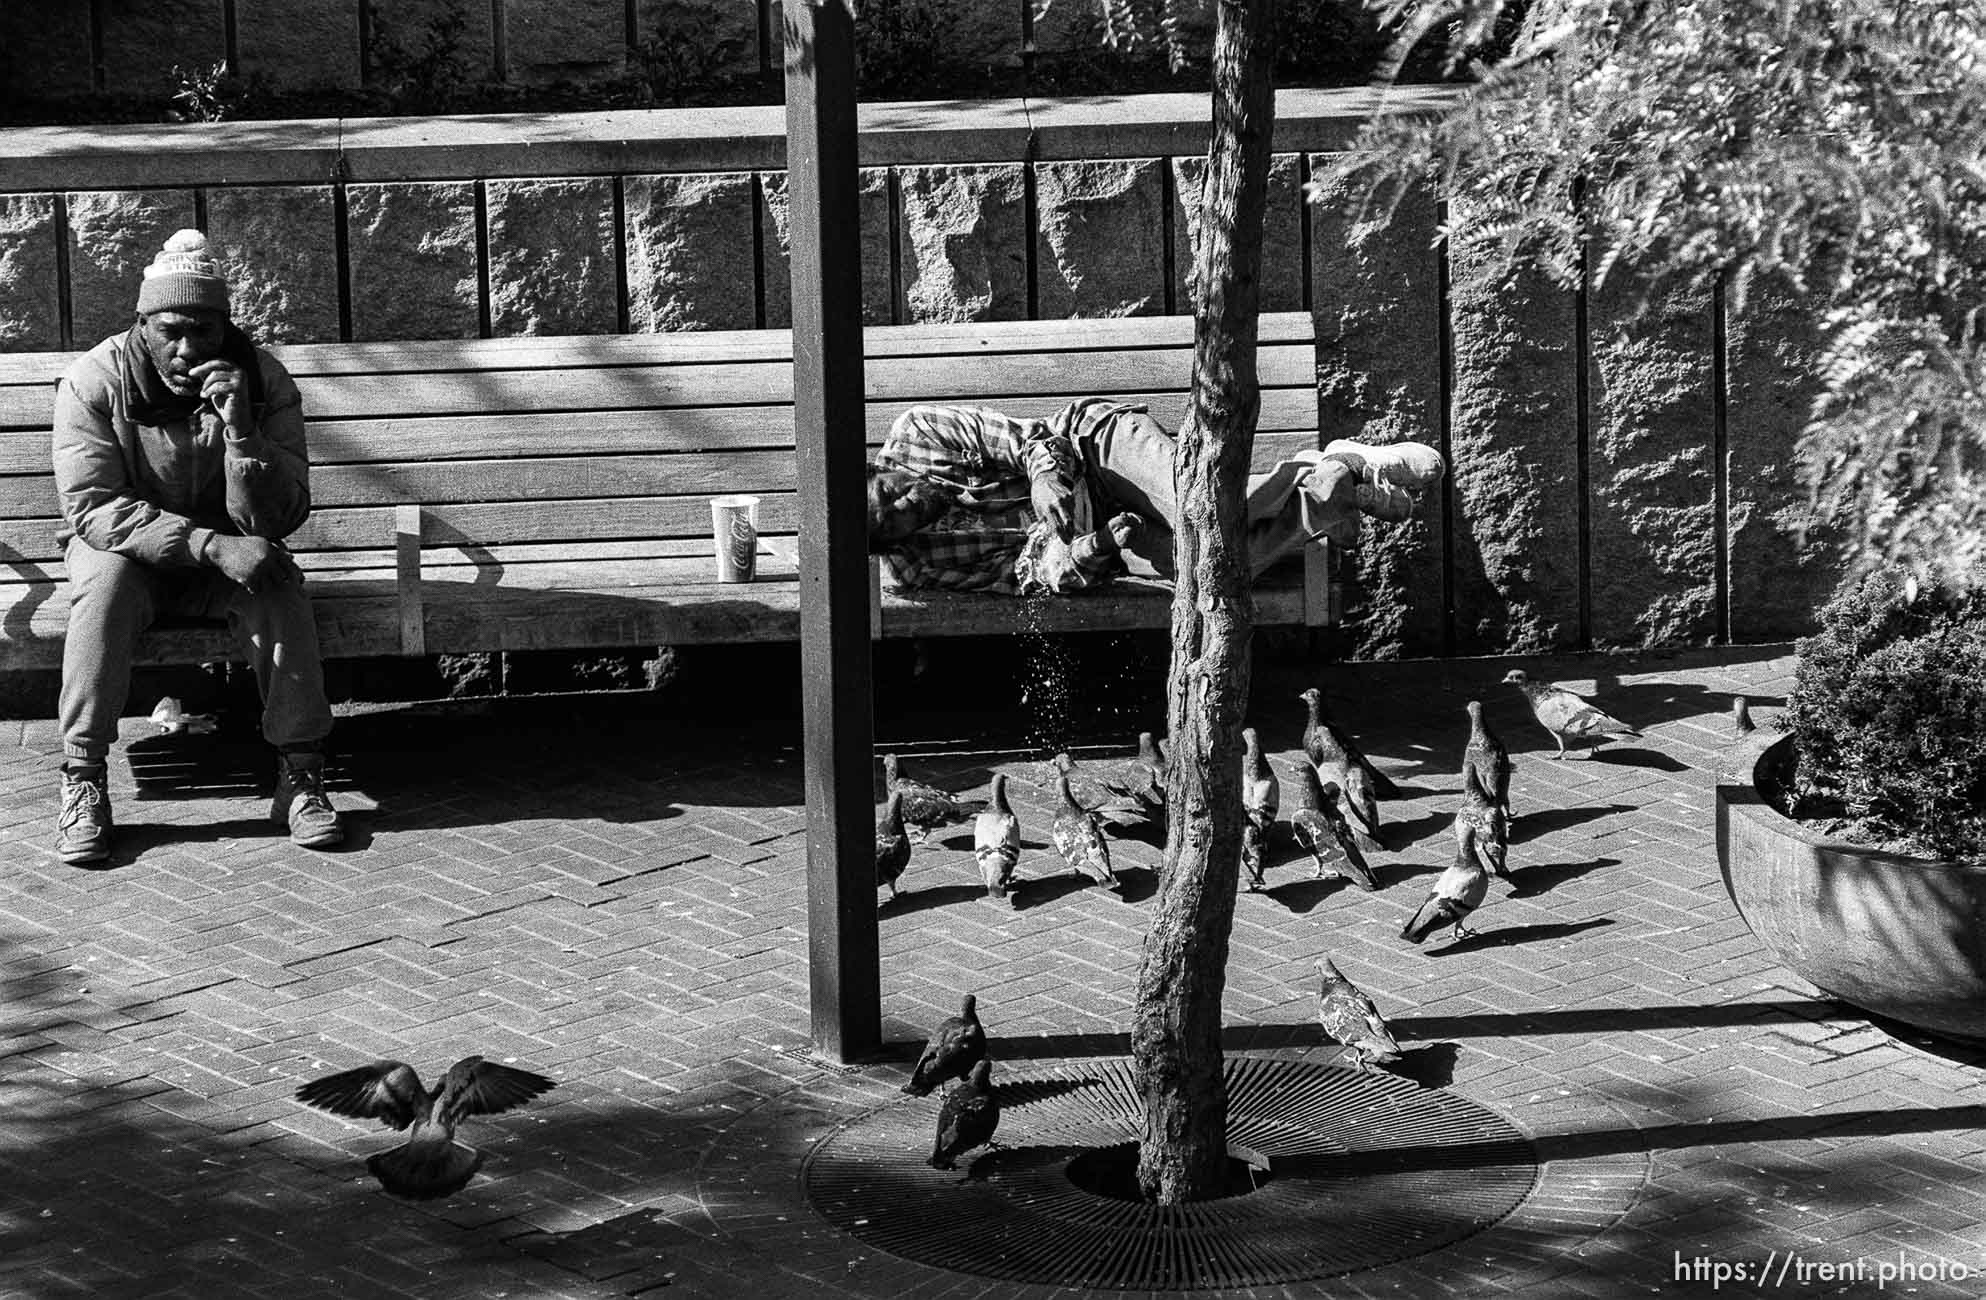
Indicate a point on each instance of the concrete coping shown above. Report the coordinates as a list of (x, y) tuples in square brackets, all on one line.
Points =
[(324, 150)]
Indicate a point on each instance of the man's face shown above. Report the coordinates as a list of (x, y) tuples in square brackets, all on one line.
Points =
[(177, 341), (900, 504)]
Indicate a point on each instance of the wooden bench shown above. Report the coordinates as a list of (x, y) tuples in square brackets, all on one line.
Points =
[(551, 493)]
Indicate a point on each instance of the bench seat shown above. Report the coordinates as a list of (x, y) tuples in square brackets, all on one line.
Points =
[(552, 493)]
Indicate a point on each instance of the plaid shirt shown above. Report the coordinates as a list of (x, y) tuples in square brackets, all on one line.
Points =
[(991, 460)]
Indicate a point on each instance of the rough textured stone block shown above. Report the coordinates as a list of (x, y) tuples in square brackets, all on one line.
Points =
[(564, 40), (689, 252), (412, 251), (1653, 543), (141, 42), (721, 35), (278, 246), (113, 235), (1376, 298), (45, 47), (1282, 232), (1771, 352), (963, 236), (1100, 248), (299, 44), (402, 29), (873, 215), (30, 298), (551, 249), (1514, 442)]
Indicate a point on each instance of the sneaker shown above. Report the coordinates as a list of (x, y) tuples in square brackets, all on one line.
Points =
[(82, 832), (1384, 501), (1403, 464), (301, 803)]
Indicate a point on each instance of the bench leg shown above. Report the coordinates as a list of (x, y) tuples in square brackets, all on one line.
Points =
[(407, 566)]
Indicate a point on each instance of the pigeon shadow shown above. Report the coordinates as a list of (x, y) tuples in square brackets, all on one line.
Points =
[(1528, 826), (1512, 935), (1136, 884), (1039, 891), (1529, 882), (1301, 896), (923, 900), (1637, 757), (1143, 830), (1431, 1066), (962, 843), (1398, 836)]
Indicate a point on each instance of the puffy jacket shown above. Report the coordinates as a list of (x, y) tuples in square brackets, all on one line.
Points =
[(156, 492)]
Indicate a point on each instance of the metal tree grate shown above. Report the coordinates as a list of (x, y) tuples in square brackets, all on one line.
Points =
[(1363, 1171)]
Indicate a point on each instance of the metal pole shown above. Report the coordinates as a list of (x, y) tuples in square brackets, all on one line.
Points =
[(843, 954)]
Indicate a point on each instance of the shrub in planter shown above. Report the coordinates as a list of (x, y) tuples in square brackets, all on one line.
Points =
[(1888, 714)]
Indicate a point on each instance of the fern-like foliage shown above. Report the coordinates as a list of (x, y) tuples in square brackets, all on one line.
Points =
[(1832, 149), (1150, 24)]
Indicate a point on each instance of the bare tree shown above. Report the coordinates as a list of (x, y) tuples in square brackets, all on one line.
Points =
[(1176, 1025)]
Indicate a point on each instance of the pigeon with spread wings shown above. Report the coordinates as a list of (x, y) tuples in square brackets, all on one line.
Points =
[(431, 1163)]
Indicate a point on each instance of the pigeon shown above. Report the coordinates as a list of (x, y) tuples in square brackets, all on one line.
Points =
[(925, 807), (892, 844), (1482, 829), (1318, 827), (1486, 761), (1350, 1019), (968, 1118), (1078, 837), (1567, 714), (1741, 717), (1459, 891), (1142, 782), (951, 1052), (996, 841), (431, 1163), (1087, 792), (1322, 737), (1357, 798), (1261, 793), (173, 720)]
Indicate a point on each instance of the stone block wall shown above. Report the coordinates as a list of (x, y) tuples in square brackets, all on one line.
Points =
[(63, 49), (1611, 484)]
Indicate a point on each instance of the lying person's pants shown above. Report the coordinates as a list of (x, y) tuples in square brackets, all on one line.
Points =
[(112, 599), (1128, 463)]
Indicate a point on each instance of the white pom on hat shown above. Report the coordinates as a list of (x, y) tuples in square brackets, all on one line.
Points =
[(184, 274)]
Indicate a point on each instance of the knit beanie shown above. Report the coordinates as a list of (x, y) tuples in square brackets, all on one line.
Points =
[(183, 276)]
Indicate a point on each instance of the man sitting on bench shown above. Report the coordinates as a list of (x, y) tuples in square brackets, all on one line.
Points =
[(963, 498), (179, 456)]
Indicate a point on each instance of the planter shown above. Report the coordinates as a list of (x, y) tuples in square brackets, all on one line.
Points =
[(1897, 936)]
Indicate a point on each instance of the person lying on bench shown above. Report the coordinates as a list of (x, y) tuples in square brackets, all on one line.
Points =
[(963, 498), (179, 457)]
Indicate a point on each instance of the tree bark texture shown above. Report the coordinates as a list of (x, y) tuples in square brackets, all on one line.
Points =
[(1176, 1025)]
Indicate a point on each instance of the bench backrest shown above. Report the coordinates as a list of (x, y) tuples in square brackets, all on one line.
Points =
[(543, 449)]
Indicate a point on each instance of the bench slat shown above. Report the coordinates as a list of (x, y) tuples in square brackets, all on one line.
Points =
[(465, 437), (580, 481), (362, 619), (1107, 334)]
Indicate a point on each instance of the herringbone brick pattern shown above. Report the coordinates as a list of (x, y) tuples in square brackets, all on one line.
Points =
[(618, 900)]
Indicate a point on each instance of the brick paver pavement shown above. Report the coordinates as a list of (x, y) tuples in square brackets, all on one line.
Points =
[(615, 899)]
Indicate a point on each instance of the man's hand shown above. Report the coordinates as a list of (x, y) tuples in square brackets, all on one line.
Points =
[(255, 562), (221, 383), (1054, 504)]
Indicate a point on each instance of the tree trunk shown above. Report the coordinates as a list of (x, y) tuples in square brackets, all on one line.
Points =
[(1176, 1025)]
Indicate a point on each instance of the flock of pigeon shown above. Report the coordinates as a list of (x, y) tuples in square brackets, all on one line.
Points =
[(1336, 815)]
